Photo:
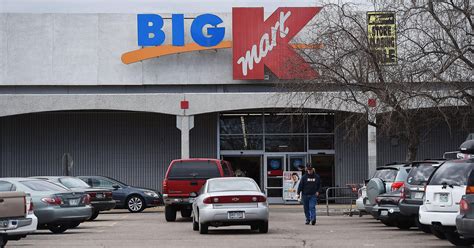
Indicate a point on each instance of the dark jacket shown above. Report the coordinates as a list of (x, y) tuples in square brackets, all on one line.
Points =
[(309, 184)]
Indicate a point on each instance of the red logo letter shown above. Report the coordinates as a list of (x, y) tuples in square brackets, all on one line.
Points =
[(257, 43)]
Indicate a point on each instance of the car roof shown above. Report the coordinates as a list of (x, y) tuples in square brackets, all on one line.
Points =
[(196, 159), (20, 179), (230, 178)]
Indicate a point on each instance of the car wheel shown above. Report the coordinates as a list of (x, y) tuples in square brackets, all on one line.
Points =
[(203, 228), (73, 224), (437, 233), (94, 215), (135, 204), (186, 213), (456, 240), (3, 241), (387, 223), (58, 228), (424, 228), (404, 225), (170, 213), (263, 227), (195, 224)]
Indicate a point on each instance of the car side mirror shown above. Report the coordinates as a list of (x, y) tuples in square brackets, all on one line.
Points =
[(116, 186)]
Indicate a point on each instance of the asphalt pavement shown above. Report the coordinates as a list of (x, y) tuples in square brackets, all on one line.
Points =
[(119, 228)]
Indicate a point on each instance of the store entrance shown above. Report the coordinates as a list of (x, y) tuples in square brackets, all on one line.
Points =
[(246, 166)]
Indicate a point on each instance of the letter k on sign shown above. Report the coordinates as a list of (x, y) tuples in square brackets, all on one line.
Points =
[(258, 43)]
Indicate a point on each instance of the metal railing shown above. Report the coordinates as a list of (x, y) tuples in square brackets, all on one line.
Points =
[(341, 195)]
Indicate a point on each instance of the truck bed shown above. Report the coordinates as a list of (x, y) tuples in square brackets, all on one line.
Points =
[(12, 204)]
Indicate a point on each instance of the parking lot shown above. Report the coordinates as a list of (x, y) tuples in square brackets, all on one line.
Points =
[(119, 228)]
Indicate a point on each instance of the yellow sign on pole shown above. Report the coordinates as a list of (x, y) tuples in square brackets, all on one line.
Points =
[(382, 36)]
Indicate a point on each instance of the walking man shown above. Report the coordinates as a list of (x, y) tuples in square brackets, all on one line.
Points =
[(309, 188)]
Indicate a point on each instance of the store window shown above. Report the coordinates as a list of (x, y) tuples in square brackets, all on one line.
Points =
[(283, 123), (323, 123), (285, 143), (241, 124), (241, 142), (321, 142)]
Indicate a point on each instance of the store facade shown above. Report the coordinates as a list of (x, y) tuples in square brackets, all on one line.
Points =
[(123, 101)]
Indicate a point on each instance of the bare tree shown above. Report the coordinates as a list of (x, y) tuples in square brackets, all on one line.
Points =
[(431, 79)]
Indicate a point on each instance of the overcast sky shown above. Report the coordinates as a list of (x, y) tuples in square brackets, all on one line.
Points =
[(150, 6)]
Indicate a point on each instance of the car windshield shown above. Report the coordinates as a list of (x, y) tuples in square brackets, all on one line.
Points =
[(387, 175), (452, 173), (420, 173), (40, 185), (71, 182), (194, 169), (231, 185)]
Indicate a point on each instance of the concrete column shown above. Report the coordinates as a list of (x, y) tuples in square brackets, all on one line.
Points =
[(372, 149), (185, 123)]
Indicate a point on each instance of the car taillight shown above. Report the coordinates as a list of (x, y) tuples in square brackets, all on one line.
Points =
[(86, 199), (397, 185), (165, 186), (470, 190), (31, 208), (403, 193), (108, 194), (235, 199), (464, 206), (56, 200), (92, 194), (377, 200)]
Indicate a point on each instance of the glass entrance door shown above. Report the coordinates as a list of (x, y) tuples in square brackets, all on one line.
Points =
[(274, 166)]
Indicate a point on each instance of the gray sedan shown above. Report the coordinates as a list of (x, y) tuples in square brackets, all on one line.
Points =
[(56, 207), (230, 201)]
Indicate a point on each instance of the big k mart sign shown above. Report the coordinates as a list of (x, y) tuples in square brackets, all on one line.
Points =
[(256, 42)]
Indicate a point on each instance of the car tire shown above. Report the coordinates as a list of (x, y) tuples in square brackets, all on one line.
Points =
[(195, 224), (263, 227), (203, 228), (170, 213), (186, 213), (437, 233), (3, 241), (58, 228), (456, 240), (387, 223), (73, 224), (422, 227), (404, 224), (135, 204), (94, 215)]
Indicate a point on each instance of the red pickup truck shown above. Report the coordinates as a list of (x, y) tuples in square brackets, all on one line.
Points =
[(184, 179)]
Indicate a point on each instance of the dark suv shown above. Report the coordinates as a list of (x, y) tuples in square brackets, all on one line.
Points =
[(465, 221), (184, 179), (414, 190)]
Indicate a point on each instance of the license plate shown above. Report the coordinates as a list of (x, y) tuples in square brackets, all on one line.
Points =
[(99, 196), (418, 195), (383, 213), (236, 215), (443, 197), (74, 202)]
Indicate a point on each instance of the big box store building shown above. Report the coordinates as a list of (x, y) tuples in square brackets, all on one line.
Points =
[(123, 94)]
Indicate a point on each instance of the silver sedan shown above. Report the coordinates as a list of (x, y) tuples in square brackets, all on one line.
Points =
[(230, 201)]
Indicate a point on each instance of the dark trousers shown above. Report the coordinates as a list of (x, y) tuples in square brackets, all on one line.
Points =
[(309, 205)]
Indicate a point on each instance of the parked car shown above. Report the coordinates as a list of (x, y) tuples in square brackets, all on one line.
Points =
[(442, 198), (465, 220), (56, 207), (388, 212), (184, 179), (230, 201), (17, 219), (129, 197), (386, 179), (101, 199), (414, 190)]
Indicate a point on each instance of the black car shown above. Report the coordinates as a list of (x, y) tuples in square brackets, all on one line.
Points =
[(414, 190), (101, 198), (465, 221), (132, 198), (388, 212)]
